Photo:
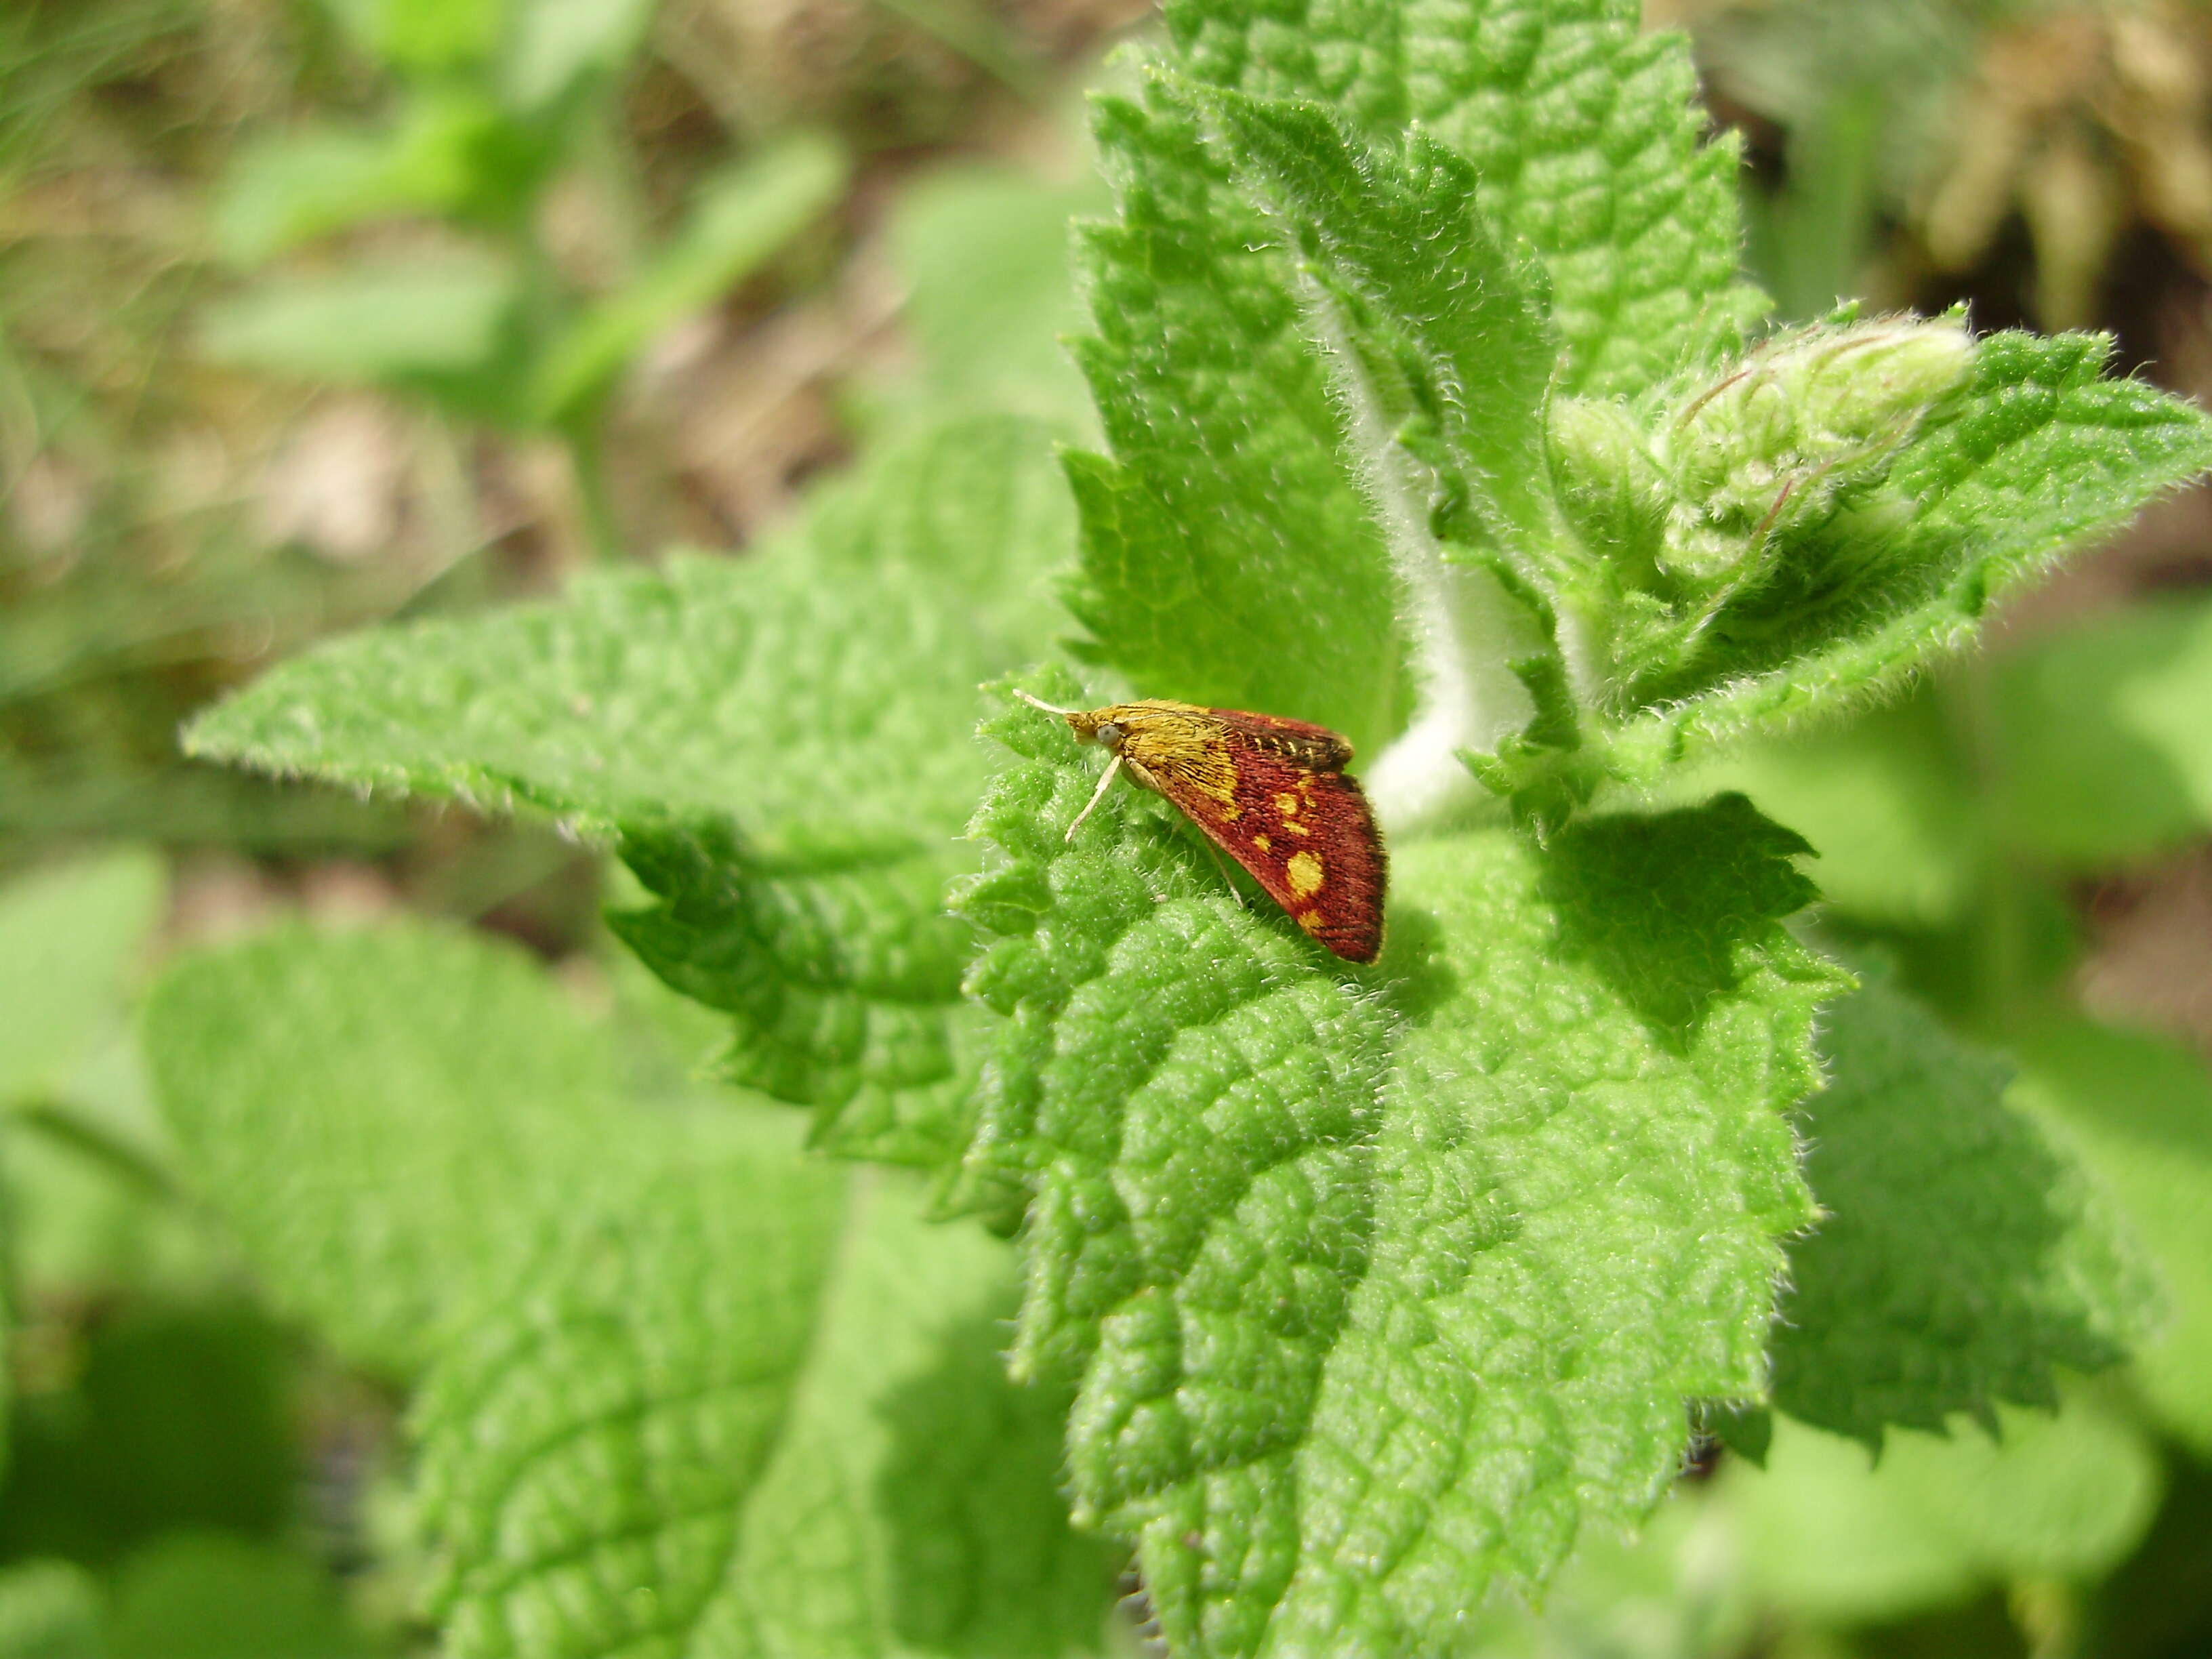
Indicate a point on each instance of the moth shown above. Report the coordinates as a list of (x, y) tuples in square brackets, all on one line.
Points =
[(1270, 792)]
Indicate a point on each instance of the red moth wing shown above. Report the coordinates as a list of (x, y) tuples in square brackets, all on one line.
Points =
[(1289, 815)]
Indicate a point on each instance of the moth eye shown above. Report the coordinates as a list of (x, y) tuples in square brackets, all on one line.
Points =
[(1111, 734)]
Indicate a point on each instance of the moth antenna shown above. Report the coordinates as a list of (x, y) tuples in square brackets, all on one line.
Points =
[(1039, 702), (1097, 795)]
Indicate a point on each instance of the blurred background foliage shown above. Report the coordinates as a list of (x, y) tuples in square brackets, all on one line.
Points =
[(318, 311)]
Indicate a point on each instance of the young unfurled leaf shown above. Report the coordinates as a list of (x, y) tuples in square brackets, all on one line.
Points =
[(1582, 129), (1227, 556), (1753, 539)]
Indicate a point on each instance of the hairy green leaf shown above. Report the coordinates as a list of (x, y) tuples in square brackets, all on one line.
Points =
[(2138, 1110), (777, 747), (1900, 836), (375, 1115), (1580, 128), (1434, 318), (1378, 1286), (1962, 1256), (1442, 359), (1746, 542), (806, 694), (1227, 556), (841, 968), (2096, 753), (716, 1436), (683, 1384), (2033, 455)]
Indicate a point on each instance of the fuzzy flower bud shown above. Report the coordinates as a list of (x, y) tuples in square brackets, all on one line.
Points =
[(1769, 446)]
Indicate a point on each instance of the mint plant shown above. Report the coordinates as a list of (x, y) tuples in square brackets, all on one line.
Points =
[(1433, 411)]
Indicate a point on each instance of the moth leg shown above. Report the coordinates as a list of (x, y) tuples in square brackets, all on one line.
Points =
[(1227, 880), (1105, 782)]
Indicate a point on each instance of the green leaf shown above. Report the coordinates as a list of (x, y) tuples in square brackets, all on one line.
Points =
[(1963, 1256), (434, 36), (778, 746), (208, 1595), (49, 1610), (679, 1378), (1442, 359), (2033, 455), (552, 46), (443, 327), (1655, 1596), (2137, 1110), (72, 939), (812, 691), (741, 218), (446, 151), (842, 971), (2104, 752), (375, 1113), (1827, 1536), (1582, 129), (1378, 1287), (985, 253), (833, 1466), (1701, 549), (2096, 755), (1901, 836), (1430, 311), (1228, 557)]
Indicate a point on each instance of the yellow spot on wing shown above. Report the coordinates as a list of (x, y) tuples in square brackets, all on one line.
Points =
[(1303, 872), (1287, 804), (1263, 843)]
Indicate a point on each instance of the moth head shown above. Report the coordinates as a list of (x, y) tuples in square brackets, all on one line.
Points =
[(1094, 727)]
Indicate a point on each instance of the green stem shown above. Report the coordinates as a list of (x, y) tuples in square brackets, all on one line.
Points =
[(90, 1141), (602, 528)]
